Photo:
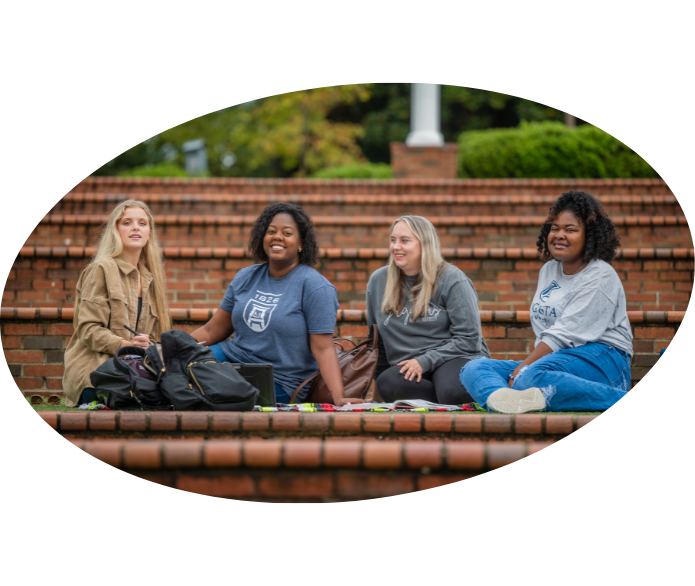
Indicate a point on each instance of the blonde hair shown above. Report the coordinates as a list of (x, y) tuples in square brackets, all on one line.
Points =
[(426, 283), (110, 246)]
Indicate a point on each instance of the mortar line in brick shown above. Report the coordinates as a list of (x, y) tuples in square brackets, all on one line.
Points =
[(178, 421), (301, 422), (391, 423), (574, 423), (331, 426), (209, 427), (543, 416), (58, 426), (445, 454), (282, 454), (513, 424), (148, 419), (118, 421)]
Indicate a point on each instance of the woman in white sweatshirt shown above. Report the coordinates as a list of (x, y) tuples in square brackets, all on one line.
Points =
[(581, 359)]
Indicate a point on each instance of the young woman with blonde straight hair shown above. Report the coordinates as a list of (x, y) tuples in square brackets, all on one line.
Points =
[(427, 314), (122, 286)]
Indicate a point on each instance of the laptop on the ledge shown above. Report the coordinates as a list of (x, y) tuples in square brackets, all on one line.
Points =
[(261, 377)]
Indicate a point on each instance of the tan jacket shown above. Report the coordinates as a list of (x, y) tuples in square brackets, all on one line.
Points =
[(106, 300)]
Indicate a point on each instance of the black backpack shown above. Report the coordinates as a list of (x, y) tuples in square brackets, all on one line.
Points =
[(191, 378), (119, 382)]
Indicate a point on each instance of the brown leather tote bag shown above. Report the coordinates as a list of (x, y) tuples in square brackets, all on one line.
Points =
[(357, 364)]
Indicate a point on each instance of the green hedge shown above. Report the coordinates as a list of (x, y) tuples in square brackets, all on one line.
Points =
[(547, 149), (356, 171), (160, 170)]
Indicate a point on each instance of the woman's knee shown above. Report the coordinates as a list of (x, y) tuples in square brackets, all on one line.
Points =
[(472, 370), (453, 393), (387, 384)]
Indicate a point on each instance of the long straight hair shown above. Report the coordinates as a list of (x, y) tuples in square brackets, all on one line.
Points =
[(110, 246), (426, 284)]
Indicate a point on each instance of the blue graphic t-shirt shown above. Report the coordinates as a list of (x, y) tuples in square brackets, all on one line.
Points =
[(273, 318)]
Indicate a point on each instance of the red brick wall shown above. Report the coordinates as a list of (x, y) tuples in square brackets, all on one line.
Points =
[(363, 231), (34, 340), (115, 186), (423, 204), (410, 162), (654, 279)]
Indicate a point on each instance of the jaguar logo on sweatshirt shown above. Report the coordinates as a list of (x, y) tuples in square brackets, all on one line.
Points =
[(545, 294)]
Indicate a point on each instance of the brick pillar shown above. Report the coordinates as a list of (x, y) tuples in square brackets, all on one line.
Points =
[(424, 162)]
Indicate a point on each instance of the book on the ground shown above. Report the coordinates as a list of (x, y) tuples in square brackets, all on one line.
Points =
[(401, 404)]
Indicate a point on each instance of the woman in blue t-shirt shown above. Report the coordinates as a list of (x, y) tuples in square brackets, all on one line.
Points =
[(281, 311)]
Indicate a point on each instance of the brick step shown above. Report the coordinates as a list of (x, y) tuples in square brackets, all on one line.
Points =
[(34, 339), (359, 205), (309, 470), (655, 279), (365, 231), (139, 186), (282, 425)]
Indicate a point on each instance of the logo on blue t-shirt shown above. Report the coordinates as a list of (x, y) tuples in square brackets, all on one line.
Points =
[(259, 309), (548, 290)]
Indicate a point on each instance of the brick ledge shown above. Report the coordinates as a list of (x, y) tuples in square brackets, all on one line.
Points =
[(360, 253), (439, 221), (424, 198), (308, 453), (335, 422), (351, 315)]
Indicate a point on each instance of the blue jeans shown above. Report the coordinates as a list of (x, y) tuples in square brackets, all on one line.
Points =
[(281, 395), (592, 377)]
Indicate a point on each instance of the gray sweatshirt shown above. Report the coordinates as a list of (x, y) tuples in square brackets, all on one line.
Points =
[(450, 328), (572, 310)]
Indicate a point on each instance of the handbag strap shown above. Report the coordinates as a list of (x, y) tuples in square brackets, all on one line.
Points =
[(300, 387), (371, 341)]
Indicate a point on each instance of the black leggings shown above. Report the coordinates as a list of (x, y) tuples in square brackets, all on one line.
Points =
[(442, 385)]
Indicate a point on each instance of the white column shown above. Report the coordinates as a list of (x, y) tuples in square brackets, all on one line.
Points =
[(424, 116)]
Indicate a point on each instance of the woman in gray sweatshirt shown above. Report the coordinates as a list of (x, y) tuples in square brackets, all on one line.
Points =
[(581, 359), (426, 311)]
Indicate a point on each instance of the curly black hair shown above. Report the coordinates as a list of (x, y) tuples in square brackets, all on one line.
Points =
[(309, 254), (602, 240)]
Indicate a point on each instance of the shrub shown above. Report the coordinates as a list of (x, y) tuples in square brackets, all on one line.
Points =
[(356, 171), (159, 170), (548, 149)]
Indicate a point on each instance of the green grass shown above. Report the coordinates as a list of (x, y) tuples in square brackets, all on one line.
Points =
[(63, 407)]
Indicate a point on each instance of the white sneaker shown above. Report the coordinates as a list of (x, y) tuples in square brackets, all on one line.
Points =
[(511, 401)]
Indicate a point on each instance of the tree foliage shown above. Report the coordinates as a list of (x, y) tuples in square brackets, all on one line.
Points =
[(300, 133)]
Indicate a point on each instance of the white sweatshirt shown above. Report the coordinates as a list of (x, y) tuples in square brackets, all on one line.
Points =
[(572, 310)]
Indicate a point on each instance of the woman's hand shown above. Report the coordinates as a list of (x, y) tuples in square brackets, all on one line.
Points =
[(141, 341), (538, 352), (513, 376), (323, 349), (411, 368)]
